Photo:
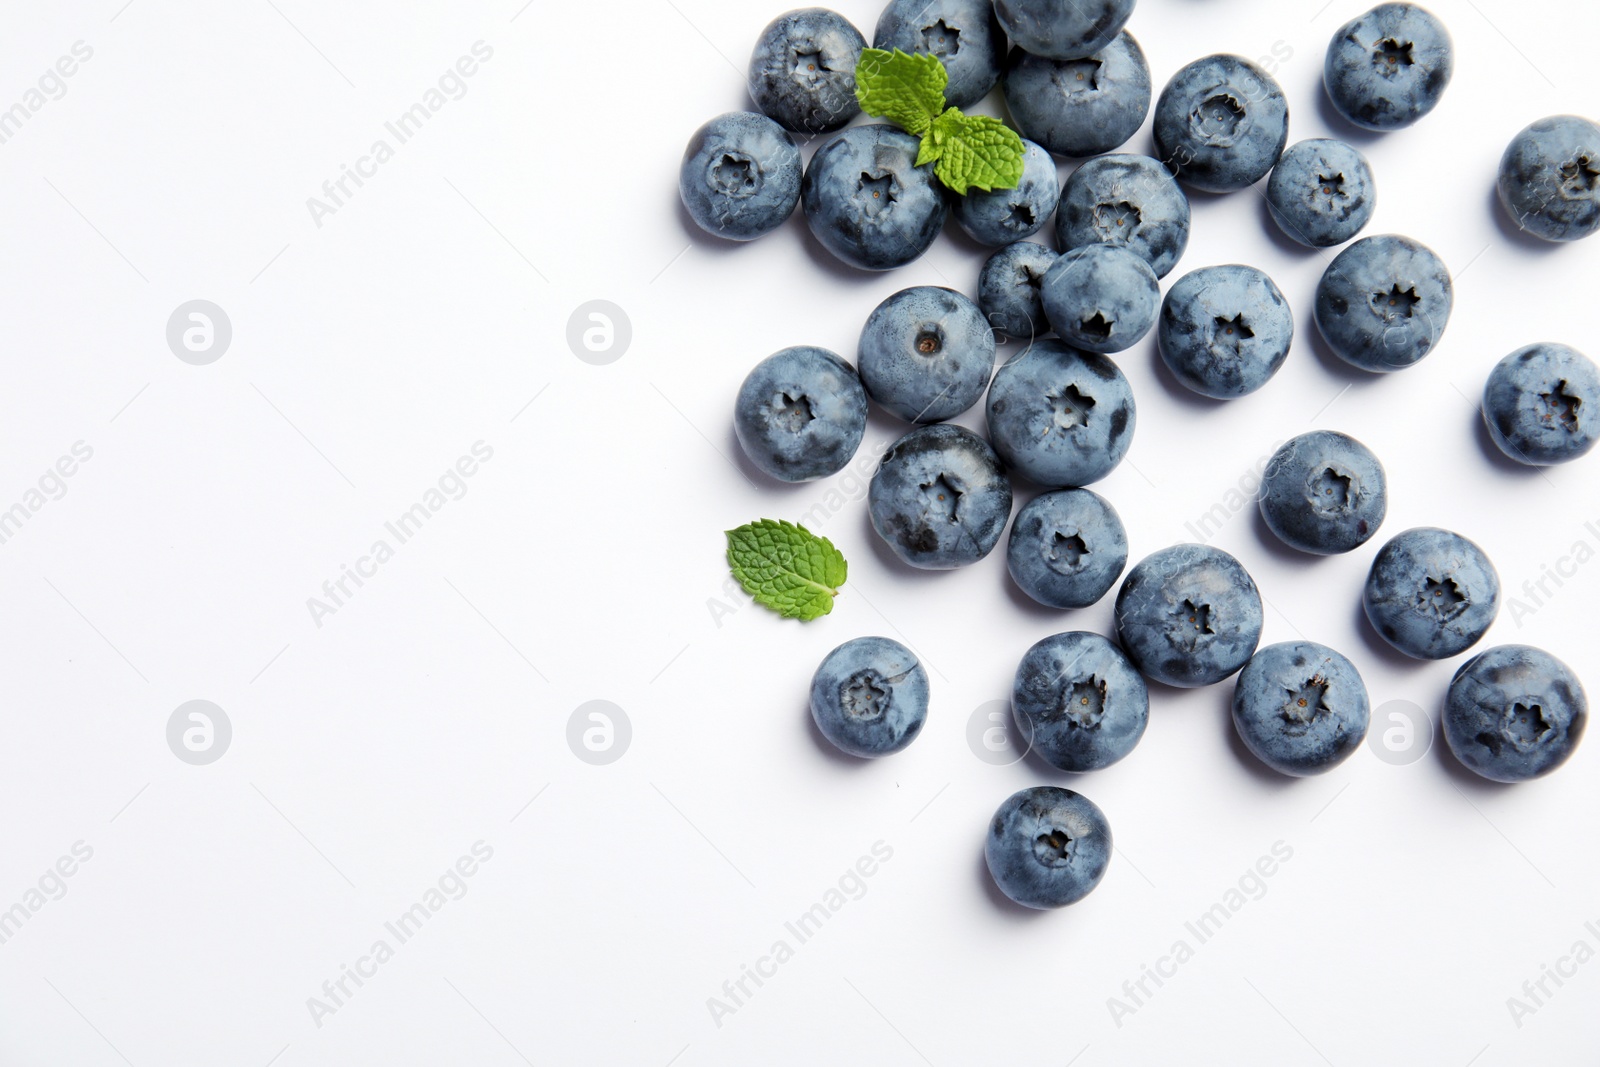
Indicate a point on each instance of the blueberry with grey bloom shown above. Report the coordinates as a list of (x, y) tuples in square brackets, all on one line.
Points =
[(1514, 713), (740, 177), (1388, 68), (1542, 404), (803, 71), (1225, 330), (1047, 847), (870, 697), (1322, 193), (1189, 615), (1300, 707), (1324, 492), (1067, 548), (1060, 416), (1431, 593), (868, 202), (1129, 201), (1080, 107), (1384, 302), (1009, 289), (1101, 298), (1550, 178), (964, 34), (1221, 123), (1063, 29), (1079, 701), (801, 414), (940, 498), (1001, 216), (926, 354)]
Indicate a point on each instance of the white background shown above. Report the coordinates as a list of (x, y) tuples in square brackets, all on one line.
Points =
[(584, 562)]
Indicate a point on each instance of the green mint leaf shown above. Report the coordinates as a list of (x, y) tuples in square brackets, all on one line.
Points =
[(974, 151), (786, 567), (908, 90)]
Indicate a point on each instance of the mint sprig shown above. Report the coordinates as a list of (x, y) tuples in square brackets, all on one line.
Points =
[(967, 151), (786, 567)]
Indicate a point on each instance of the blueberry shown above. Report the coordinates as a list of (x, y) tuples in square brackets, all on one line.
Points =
[(1514, 713), (868, 202), (1063, 29), (1221, 123), (940, 498), (1060, 416), (1080, 107), (740, 177), (1225, 330), (1079, 701), (801, 414), (1047, 847), (1388, 68), (1002, 216), (1101, 298), (1324, 493), (926, 354), (1383, 302), (1009, 289), (1550, 178), (1300, 707), (1321, 193), (964, 34), (1067, 548), (803, 71), (1189, 615), (1542, 404), (1129, 201), (870, 697), (1431, 593)]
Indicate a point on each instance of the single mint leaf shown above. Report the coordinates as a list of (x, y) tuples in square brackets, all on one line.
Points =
[(974, 151), (908, 90), (786, 567)]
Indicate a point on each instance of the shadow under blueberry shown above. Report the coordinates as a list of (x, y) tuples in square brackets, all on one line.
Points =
[(1310, 334), (891, 562), (1512, 232), (1169, 381), (829, 750), (1274, 544), (1002, 903), (1284, 243), (1378, 646), (1341, 127), (755, 474), (1264, 775), (1462, 778), (1492, 452)]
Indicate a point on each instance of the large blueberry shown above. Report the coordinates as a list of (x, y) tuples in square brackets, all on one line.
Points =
[(1300, 707), (1225, 330), (740, 177), (1384, 302), (926, 354), (1129, 201), (868, 202), (1063, 29), (801, 414), (1388, 68), (1550, 178), (1542, 404), (1001, 216), (1431, 593), (1080, 107), (1009, 289), (1101, 298), (1189, 615), (870, 696), (1047, 847), (964, 34), (1325, 493), (940, 498), (1067, 548), (803, 71), (1221, 123), (1060, 416), (1514, 713), (1322, 193), (1079, 701)]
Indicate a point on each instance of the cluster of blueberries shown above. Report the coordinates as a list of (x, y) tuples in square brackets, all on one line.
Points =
[(1062, 415)]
